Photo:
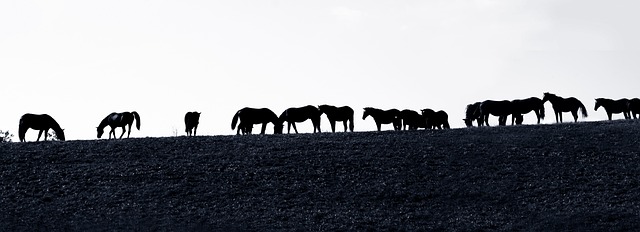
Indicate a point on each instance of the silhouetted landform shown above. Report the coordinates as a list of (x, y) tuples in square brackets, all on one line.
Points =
[(40, 122), (561, 177), (115, 120), (334, 114), (380, 117), (614, 107), (433, 119), (560, 105), (301, 114), (249, 116), (191, 121)]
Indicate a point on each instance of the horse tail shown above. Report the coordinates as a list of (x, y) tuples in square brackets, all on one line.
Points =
[(137, 117), (22, 129), (542, 111), (583, 109), (235, 120)]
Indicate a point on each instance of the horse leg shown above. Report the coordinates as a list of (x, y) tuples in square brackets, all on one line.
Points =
[(378, 125), (124, 129), (40, 134), (195, 129), (264, 128), (294, 127), (608, 115), (575, 116), (333, 126)]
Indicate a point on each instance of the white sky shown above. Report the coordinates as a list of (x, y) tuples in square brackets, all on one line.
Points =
[(81, 60)]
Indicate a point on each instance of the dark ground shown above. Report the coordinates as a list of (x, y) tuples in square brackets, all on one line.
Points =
[(580, 177)]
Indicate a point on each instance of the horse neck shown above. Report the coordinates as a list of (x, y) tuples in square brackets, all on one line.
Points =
[(104, 123)]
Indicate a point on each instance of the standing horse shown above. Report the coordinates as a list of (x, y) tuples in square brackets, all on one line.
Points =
[(249, 116), (435, 119), (614, 106), (473, 113), (115, 120), (412, 119), (634, 107), (40, 122), (561, 105), (334, 114), (384, 117), (293, 115), (501, 109), (191, 121), (524, 106)]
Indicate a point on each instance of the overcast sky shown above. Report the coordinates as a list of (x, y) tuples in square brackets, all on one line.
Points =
[(78, 61)]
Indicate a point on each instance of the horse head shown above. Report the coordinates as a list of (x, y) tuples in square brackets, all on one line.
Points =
[(277, 127), (367, 112), (468, 122), (60, 134), (598, 104), (548, 96), (100, 131)]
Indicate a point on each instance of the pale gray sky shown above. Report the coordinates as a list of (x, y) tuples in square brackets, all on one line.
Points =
[(81, 60)]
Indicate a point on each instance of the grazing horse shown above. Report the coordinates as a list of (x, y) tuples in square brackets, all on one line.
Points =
[(293, 115), (191, 121), (473, 113), (334, 114), (435, 119), (41, 122), (524, 106), (561, 105), (115, 120), (614, 106), (384, 117), (412, 119), (500, 109), (249, 116), (634, 107)]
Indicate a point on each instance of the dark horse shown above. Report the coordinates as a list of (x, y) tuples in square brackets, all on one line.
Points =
[(301, 114), (439, 119), (473, 113), (634, 107), (115, 120), (561, 105), (524, 106), (412, 119), (614, 106), (249, 116), (384, 117), (334, 114), (41, 122), (501, 109), (191, 121)]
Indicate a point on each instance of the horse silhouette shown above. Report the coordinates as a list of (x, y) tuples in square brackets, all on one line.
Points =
[(524, 106), (384, 117), (191, 121), (249, 116), (614, 106), (472, 113), (634, 107), (40, 122), (301, 114), (344, 114), (500, 109), (433, 119), (561, 105), (115, 120), (412, 119)]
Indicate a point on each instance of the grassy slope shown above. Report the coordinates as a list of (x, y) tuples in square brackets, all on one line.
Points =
[(571, 176)]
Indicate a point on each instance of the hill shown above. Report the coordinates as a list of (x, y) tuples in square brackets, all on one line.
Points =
[(578, 176)]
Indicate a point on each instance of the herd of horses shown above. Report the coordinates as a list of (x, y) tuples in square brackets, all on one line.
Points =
[(245, 118)]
